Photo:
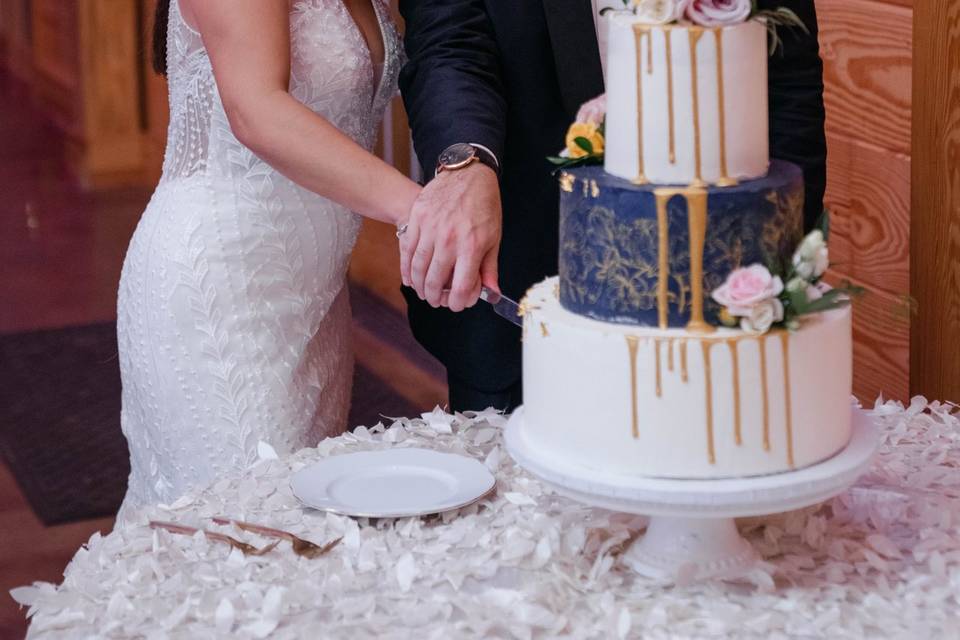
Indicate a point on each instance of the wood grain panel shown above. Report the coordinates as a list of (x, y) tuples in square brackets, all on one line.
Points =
[(881, 344), (866, 48), (111, 94), (935, 227), (868, 194)]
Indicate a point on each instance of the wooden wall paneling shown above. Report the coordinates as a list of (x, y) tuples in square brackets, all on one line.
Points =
[(935, 226), (868, 194), (16, 37), (110, 64), (56, 77), (881, 343), (866, 48)]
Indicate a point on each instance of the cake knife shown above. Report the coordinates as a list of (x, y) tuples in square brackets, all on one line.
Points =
[(502, 305)]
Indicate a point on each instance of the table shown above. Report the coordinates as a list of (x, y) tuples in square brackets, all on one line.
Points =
[(882, 560)]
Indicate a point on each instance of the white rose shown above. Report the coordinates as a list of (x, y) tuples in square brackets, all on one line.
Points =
[(762, 316), (659, 11), (811, 258), (821, 262)]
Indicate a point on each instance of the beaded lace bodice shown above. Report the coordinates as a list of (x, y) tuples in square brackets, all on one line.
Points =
[(331, 73)]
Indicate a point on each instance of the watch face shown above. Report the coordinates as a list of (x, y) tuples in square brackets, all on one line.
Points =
[(456, 155)]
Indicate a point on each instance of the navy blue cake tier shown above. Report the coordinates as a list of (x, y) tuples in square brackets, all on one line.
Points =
[(651, 254)]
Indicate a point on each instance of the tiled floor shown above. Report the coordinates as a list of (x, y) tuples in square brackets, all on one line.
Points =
[(61, 250)]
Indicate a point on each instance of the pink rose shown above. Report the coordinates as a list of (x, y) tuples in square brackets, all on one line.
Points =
[(593, 111), (718, 13), (746, 288)]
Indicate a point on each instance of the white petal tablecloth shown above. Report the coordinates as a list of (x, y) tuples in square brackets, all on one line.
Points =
[(882, 560)]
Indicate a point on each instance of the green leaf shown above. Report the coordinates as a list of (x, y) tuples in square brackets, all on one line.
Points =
[(557, 160), (833, 299), (584, 144)]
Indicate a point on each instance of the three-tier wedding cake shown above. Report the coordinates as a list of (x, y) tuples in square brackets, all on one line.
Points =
[(687, 335)]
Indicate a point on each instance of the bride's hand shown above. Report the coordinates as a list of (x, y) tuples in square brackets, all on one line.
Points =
[(452, 237)]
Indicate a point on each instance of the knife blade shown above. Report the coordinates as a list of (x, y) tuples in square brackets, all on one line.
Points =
[(503, 306)]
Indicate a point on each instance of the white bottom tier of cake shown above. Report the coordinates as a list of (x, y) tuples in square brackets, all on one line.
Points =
[(675, 404)]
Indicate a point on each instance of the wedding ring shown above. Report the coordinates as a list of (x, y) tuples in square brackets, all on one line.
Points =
[(402, 229)]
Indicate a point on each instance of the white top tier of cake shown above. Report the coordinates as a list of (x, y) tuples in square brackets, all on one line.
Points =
[(700, 114)]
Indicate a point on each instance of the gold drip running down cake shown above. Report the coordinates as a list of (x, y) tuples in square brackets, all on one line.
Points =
[(688, 334)]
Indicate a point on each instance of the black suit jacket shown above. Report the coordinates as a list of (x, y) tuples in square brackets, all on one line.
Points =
[(510, 75)]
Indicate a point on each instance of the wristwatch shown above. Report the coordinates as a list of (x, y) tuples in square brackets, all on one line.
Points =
[(463, 154)]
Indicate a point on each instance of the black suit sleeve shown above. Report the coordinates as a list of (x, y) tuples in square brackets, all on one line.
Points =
[(796, 103), (451, 83)]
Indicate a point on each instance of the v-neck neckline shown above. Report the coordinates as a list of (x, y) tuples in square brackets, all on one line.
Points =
[(377, 81)]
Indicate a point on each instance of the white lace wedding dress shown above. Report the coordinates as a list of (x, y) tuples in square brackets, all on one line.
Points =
[(233, 317)]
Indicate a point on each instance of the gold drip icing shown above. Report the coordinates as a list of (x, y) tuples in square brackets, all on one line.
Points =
[(671, 120), (633, 343), (663, 273), (711, 452), (697, 221), (543, 330), (594, 189), (725, 180), (762, 342), (650, 53), (586, 188), (696, 198), (735, 362), (785, 343), (656, 344), (670, 354), (695, 33), (639, 31), (683, 361), (566, 181)]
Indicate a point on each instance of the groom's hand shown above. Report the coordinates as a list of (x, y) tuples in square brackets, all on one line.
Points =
[(453, 237)]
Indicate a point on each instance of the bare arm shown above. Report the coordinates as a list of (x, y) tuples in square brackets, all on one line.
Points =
[(248, 42)]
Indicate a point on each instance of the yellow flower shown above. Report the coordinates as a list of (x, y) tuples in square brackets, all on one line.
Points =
[(726, 318), (584, 130)]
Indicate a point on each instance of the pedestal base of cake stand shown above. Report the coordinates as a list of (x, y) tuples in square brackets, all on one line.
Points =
[(692, 534)]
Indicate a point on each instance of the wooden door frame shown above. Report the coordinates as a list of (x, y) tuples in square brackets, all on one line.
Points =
[(935, 201)]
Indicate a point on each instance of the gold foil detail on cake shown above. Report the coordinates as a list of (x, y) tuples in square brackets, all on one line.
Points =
[(566, 181), (762, 343), (670, 354), (785, 343), (633, 344), (639, 31), (725, 180), (543, 330), (694, 34), (735, 364), (671, 119), (708, 382)]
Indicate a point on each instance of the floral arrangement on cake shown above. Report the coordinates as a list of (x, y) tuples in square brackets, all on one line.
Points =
[(585, 137), (756, 298), (709, 13)]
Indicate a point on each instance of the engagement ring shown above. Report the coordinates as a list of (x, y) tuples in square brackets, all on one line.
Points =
[(402, 229)]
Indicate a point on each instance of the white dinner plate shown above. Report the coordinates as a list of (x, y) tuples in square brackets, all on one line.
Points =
[(392, 483)]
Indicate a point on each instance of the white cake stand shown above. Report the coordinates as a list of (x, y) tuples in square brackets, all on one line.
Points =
[(692, 532)]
